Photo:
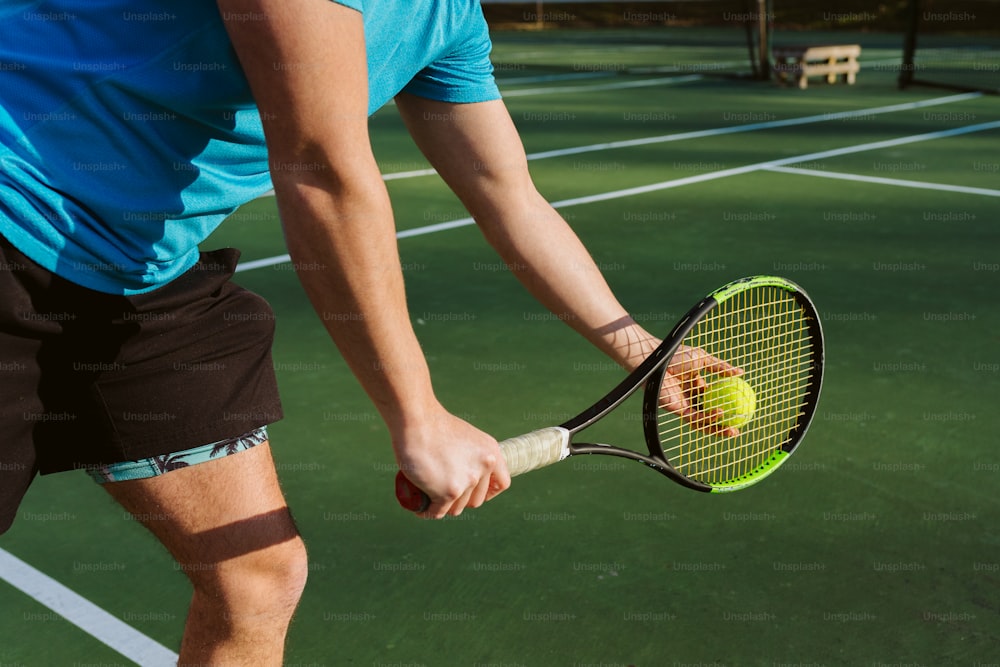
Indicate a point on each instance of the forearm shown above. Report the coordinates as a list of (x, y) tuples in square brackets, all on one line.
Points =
[(553, 264), (342, 242), (479, 154)]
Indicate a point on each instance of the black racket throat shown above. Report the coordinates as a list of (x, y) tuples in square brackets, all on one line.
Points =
[(648, 374), (657, 360)]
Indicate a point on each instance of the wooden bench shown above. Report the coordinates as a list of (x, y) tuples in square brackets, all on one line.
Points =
[(802, 62)]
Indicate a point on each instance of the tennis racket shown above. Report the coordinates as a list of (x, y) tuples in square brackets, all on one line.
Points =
[(763, 325)]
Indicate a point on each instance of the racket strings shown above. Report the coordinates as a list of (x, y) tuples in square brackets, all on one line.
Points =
[(765, 332), (703, 456), (786, 407), (746, 452)]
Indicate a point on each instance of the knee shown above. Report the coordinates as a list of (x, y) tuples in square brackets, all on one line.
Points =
[(265, 584), (281, 574)]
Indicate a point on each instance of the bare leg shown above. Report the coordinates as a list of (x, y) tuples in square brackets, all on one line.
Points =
[(228, 526)]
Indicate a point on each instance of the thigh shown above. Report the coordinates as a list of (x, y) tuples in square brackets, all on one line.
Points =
[(215, 514)]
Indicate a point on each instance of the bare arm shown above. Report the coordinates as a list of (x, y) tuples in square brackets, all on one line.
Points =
[(305, 61), (476, 149)]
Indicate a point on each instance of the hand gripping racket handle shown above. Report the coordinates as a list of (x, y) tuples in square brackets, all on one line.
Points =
[(522, 453)]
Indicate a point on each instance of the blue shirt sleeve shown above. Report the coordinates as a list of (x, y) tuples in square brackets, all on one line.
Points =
[(353, 4), (463, 75)]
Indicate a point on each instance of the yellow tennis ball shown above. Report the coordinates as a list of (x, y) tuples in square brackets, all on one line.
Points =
[(734, 396)]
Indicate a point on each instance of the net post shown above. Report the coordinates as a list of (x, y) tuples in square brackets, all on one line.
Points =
[(909, 45), (764, 8)]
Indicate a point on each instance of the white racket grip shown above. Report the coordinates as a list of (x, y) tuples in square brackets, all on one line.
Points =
[(534, 450)]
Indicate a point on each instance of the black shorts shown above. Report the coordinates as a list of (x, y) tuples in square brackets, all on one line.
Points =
[(90, 378)]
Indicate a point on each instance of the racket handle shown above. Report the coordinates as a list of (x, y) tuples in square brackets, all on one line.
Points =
[(523, 453), (531, 451)]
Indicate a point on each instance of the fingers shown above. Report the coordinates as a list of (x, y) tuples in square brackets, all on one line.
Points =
[(499, 480), (683, 386), (492, 486), (681, 398), (449, 503), (708, 422), (673, 396), (460, 497), (472, 497), (689, 360)]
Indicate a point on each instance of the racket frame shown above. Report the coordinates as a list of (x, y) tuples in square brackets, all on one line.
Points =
[(649, 374), (806, 413)]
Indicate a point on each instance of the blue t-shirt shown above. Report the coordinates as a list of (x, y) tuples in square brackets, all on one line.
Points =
[(128, 131)]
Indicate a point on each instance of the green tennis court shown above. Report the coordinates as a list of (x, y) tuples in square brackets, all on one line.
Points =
[(876, 544)]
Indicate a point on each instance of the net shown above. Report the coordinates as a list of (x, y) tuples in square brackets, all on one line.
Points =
[(973, 67), (555, 40), (954, 45)]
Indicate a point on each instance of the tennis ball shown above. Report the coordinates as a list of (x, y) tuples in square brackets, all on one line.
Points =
[(734, 397)]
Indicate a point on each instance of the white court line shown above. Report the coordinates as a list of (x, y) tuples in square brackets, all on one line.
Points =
[(920, 185), (719, 131), (262, 263), (753, 127), (84, 614), (700, 134), (545, 78), (503, 82), (555, 90), (712, 132), (679, 182), (759, 166), (661, 81)]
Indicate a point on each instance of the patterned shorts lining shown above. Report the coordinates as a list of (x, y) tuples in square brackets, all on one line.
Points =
[(158, 465)]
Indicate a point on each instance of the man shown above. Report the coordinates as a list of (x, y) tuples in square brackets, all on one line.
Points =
[(128, 131)]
